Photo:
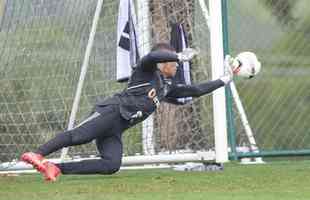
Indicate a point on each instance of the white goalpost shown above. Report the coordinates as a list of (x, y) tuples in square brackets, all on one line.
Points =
[(219, 101), (145, 46), (236, 97), (95, 78)]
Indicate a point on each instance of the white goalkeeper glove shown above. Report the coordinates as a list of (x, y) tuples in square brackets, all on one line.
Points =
[(187, 54), (229, 65)]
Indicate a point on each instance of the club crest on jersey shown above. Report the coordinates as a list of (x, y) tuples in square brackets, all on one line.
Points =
[(152, 95)]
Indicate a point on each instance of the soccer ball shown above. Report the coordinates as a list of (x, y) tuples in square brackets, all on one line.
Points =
[(247, 65)]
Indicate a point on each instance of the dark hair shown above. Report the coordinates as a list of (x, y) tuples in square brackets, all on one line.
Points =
[(163, 46)]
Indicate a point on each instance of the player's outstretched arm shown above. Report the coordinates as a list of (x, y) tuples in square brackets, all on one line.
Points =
[(197, 90), (194, 90)]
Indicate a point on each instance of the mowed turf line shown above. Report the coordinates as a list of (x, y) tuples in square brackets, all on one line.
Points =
[(278, 180)]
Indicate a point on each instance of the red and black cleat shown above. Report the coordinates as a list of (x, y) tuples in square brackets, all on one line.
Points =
[(51, 171), (35, 160)]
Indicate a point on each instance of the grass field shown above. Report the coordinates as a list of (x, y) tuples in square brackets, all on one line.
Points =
[(278, 180)]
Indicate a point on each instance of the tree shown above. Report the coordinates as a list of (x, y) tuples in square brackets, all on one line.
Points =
[(175, 124), (294, 18), (282, 10)]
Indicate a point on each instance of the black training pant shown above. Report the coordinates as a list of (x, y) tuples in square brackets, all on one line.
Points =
[(106, 126)]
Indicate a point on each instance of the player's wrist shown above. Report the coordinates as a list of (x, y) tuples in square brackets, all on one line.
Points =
[(226, 79)]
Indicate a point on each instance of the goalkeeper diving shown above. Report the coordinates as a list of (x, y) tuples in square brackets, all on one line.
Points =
[(147, 87)]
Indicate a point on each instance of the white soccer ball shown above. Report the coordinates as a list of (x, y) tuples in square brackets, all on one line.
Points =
[(248, 65)]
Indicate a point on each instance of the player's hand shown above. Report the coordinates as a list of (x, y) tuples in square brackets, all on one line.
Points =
[(233, 63), (229, 65), (187, 54)]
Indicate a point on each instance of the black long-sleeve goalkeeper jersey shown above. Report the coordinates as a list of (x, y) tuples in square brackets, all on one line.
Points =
[(147, 88)]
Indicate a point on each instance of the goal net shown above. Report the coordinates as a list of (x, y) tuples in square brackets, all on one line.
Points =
[(43, 45)]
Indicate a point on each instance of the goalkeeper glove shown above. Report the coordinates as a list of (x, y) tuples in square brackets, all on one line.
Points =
[(229, 65), (187, 54)]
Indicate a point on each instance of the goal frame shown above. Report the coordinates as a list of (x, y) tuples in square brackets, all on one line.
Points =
[(221, 154)]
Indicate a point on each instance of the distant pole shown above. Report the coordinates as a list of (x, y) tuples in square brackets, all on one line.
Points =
[(229, 99)]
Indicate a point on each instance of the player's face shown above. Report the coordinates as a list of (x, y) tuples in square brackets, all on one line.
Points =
[(170, 69)]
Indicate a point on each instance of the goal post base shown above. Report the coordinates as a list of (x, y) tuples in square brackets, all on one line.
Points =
[(204, 156)]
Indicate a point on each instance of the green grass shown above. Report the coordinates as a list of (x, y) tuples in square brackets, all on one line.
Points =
[(278, 180)]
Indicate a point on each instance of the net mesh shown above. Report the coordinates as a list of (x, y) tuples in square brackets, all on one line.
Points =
[(43, 45)]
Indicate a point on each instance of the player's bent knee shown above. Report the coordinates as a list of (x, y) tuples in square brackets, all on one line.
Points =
[(114, 167), (113, 170)]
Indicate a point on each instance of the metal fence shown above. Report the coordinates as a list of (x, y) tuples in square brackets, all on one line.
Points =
[(277, 101)]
